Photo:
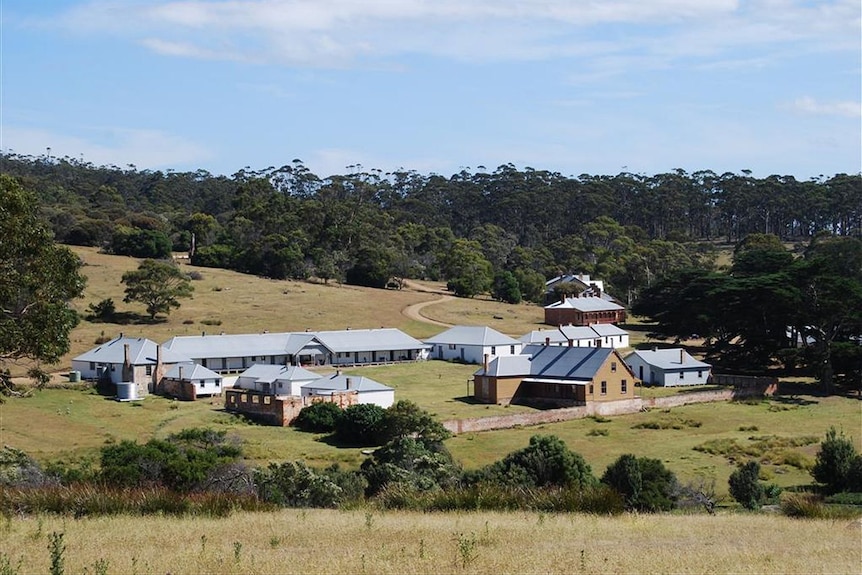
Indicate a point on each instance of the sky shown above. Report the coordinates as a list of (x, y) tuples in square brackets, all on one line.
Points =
[(437, 86)]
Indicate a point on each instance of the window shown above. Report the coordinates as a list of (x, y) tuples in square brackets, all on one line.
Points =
[(451, 346), (624, 386), (92, 365), (267, 400), (604, 388), (681, 374), (113, 367), (591, 389), (699, 374), (149, 370), (493, 350), (512, 349), (614, 366), (255, 399)]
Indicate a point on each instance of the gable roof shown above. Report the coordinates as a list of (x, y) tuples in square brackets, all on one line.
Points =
[(585, 304), (472, 335), (191, 371), (557, 363), (668, 359), (607, 329), (539, 336), (230, 345), (382, 339), (338, 382), (266, 373), (142, 351)]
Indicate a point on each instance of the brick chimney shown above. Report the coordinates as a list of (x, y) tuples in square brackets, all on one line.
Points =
[(128, 375), (681, 356), (348, 383), (485, 363)]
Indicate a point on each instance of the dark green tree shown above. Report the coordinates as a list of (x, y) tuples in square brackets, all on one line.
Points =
[(361, 424), (506, 288), (158, 285), (38, 279), (745, 485), (645, 484), (834, 466), (469, 273), (547, 461), (319, 417), (406, 419)]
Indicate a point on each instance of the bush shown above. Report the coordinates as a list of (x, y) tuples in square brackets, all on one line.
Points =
[(319, 417), (404, 418), (745, 486), (422, 463), (645, 484), (545, 462), (361, 425), (294, 484), (837, 465)]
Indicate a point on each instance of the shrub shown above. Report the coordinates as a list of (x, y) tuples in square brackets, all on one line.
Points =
[(644, 484), (104, 311), (545, 462), (405, 418), (421, 463), (836, 466), (745, 486), (294, 484), (361, 425), (320, 417)]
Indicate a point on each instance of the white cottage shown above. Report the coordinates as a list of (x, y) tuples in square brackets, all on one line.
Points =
[(190, 381), (594, 335), (471, 344), (367, 390), (280, 380), (668, 367)]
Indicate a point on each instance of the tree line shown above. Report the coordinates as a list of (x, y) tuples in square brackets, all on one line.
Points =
[(502, 232)]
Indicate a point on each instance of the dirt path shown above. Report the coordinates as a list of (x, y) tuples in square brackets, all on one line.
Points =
[(414, 311)]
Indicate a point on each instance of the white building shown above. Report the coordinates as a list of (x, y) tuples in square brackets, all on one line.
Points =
[(471, 344), (595, 335), (668, 367), (281, 380), (367, 390)]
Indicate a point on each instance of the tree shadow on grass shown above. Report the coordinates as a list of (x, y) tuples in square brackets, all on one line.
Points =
[(129, 318)]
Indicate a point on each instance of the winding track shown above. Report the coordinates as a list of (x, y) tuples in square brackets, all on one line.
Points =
[(414, 311)]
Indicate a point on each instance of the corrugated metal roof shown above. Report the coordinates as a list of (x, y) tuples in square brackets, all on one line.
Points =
[(608, 329), (669, 359), (472, 335), (539, 335), (585, 304), (550, 362), (338, 382), (142, 351), (229, 345), (269, 373), (383, 339), (191, 371)]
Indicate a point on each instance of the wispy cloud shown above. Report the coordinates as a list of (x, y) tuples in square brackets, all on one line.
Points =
[(809, 105), (346, 32)]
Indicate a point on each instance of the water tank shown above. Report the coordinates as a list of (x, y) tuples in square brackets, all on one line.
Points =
[(127, 391), (74, 376)]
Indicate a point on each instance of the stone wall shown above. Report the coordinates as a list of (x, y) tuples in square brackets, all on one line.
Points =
[(767, 386), (180, 389)]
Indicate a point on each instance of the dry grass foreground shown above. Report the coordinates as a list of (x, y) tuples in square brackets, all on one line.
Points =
[(356, 542)]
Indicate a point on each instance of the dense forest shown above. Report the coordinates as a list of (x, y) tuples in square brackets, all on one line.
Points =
[(503, 231)]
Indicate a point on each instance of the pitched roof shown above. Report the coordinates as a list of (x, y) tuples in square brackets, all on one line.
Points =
[(230, 345), (668, 359), (338, 382), (382, 339), (607, 329), (191, 371), (585, 304), (267, 373), (539, 336), (576, 332), (142, 351), (472, 335), (558, 363)]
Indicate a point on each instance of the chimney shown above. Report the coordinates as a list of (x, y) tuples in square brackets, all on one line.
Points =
[(571, 343), (203, 334), (681, 356), (127, 356), (547, 341), (181, 373), (121, 335), (347, 385), (485, 362)]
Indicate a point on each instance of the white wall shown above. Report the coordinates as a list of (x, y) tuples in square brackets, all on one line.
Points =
[(473, 353)]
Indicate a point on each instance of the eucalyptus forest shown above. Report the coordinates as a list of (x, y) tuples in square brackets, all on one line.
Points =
[(792, 293)]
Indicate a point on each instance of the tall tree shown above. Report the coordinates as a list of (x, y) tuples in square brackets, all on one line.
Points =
[(38, 279), (158, 285)]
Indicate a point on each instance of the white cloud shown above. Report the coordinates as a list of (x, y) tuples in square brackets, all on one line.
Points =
[(344, 32), (809, 105), (147, 149)]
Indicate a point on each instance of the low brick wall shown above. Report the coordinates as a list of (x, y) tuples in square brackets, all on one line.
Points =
[(184, 390), (610, 408)]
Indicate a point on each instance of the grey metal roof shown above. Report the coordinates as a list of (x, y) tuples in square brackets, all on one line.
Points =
[(229, 345), (293, 343), (559, 363), (191, 371), (608, 329), (585, 304), (382, 339), (267, 373), (576, 332), (472, 335), (142, 351), (338, 382), (539, 336), (668, 359)]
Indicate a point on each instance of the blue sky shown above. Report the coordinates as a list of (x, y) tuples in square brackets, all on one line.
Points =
[(574, 86)]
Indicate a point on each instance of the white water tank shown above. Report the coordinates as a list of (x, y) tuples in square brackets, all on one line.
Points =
[(127, 391)]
